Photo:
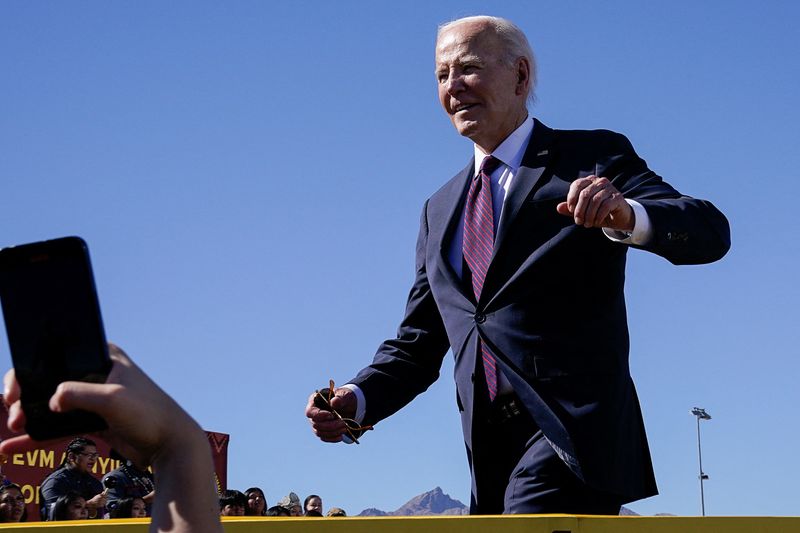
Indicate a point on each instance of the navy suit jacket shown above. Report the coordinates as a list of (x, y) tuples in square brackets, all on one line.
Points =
[(552, 307)]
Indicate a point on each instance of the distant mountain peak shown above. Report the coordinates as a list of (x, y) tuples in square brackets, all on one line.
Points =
[(436, 502), (373, 512), (433, 502)]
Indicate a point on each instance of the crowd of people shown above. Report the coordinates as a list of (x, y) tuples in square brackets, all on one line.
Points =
[(71, 492), (252, 502)]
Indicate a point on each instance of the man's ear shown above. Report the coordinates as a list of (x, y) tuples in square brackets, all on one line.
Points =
[(523, 69)]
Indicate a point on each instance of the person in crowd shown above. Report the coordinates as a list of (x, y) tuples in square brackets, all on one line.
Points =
[(3, 479), (312, 503), (70, 506), (171, 440), (336, 511), (277, 510), (133, 507), (75, 475), (12, 503), (520, 273), (232, 503), (128, 481), (256, 502), (313, 513), (292, 504)]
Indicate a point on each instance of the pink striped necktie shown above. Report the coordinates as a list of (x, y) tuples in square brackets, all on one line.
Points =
[(477, 248)]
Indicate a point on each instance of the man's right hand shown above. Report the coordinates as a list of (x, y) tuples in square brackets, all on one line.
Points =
[(98, 501), (326, 425)]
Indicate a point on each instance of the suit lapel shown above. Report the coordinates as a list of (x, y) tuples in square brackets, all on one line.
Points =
[(534, 162), (455, 200)]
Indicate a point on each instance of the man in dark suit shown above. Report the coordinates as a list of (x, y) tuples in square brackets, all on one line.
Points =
[(520, 271)]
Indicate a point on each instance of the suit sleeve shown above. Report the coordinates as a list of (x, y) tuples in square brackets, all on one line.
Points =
[(686, 230), (407, 365)]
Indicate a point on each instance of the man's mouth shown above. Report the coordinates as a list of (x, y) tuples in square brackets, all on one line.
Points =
[(463, 107)]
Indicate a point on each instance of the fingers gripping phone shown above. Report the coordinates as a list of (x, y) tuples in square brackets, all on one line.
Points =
[(54, 328)]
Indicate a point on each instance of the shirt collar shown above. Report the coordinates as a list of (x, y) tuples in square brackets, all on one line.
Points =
[(511, 150)]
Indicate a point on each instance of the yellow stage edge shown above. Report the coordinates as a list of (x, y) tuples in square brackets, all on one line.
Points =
[(460, 524)]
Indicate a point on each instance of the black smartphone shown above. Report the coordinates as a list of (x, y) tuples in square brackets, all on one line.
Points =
[(54, 328)]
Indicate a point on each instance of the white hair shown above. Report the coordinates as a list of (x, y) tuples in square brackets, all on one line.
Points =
[(516, 44)]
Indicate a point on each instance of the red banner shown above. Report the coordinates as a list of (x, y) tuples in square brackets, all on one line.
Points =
[(28, 469)]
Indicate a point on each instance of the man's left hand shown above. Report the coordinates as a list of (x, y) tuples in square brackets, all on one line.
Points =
[(594, 202)]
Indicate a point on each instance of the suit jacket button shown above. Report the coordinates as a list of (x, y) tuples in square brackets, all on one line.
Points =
[(480, 318)]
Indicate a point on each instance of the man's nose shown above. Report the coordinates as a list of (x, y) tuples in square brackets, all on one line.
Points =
[(454, 84)]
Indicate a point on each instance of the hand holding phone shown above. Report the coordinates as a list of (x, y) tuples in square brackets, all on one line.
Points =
[(54, 328), (171, 441)]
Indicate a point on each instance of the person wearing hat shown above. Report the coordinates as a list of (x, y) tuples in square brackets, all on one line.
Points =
[(291, 502)]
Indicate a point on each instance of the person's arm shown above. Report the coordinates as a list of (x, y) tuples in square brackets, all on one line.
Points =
[(684, 230), (409, 363), (642, 228), (402, 368), (51, 489), (170, 440)]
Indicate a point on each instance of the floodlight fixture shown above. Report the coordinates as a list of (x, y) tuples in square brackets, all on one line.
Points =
[(701, 414)]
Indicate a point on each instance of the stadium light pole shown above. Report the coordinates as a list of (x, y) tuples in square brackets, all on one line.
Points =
[(701, 415)]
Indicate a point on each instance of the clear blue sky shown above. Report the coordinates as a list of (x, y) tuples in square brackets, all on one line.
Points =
[(242, 173)]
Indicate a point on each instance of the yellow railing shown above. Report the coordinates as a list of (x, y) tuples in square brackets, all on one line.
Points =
[(460, 524)]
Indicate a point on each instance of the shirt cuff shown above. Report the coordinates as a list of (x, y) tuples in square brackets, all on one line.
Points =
[(361, 402), (642, 227)]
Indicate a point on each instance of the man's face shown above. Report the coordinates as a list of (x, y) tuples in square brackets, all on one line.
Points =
[(84, 461), (483, 96)]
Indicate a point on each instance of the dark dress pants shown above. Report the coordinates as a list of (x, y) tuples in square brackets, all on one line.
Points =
[(520, 473)]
